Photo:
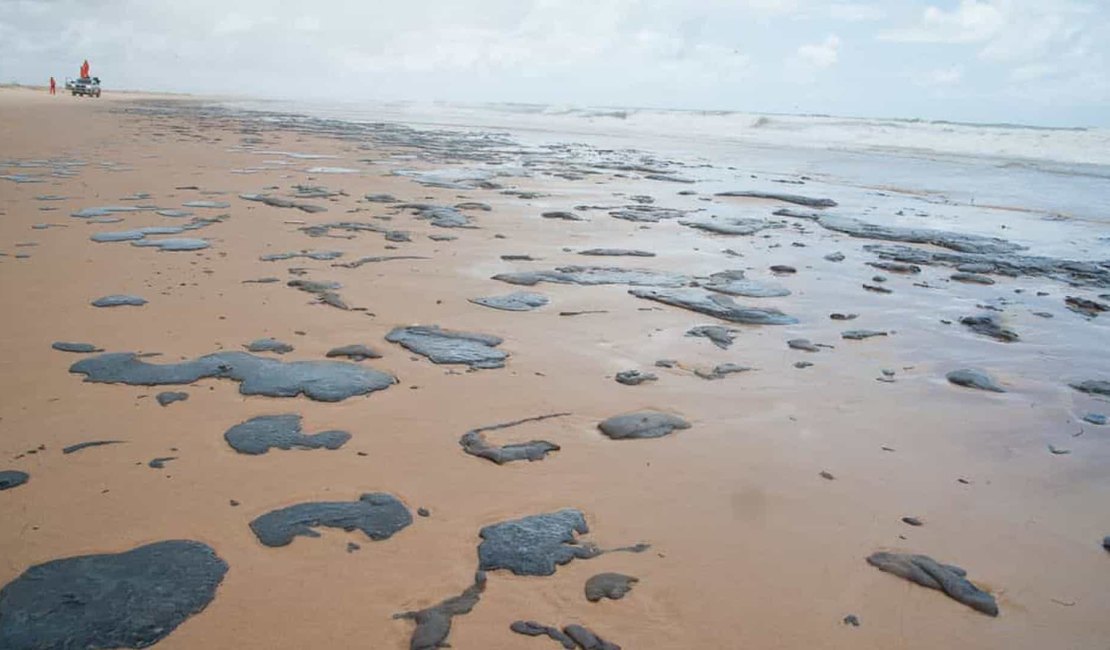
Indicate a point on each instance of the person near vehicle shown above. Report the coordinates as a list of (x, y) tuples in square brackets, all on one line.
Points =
[(85, 69), (53, 86)]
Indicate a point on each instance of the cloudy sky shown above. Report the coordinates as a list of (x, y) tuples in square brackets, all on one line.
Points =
[(1029, 61)]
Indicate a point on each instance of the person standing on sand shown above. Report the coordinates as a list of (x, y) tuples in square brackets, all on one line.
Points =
[(53, 86)]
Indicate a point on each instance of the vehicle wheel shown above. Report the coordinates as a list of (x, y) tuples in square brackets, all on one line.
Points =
[(75, 93), (98, 94)]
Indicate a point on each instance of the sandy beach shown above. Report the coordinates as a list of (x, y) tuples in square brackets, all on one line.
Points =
[(751, 545)]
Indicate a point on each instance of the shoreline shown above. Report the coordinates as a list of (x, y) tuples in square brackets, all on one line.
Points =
[(751, 546)]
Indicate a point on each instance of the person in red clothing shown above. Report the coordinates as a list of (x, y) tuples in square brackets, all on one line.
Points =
[(53, 86), (85, 69)]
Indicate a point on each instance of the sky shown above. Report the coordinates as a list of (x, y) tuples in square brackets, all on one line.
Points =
[(1043, 62)]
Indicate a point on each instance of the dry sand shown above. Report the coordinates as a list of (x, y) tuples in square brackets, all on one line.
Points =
[(751, 548)]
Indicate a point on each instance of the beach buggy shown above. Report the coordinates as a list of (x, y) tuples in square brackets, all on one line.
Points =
[(85, 85)]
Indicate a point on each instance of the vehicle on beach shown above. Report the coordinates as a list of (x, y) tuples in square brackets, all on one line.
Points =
[(85, 86)]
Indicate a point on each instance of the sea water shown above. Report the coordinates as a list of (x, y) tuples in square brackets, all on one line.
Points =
[(1048, 188)]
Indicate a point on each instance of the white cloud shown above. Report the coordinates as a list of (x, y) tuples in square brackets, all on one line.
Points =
[(234, 23), (1033, 72), (774, 6), (1043, 49), (856, 12), (820, 55), (307, 23), (688, 53), (1006, 30), (1035, 30), (971, 22), (944, 76)]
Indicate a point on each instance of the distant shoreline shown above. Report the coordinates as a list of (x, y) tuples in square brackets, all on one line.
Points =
[(600, 108)]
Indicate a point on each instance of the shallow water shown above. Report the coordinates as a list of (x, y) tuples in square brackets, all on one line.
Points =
[(936, 167)]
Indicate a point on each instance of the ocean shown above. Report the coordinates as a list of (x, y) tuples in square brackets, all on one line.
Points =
[(1049, 188)]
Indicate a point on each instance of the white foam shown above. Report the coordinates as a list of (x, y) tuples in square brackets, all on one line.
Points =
[(1080, 146)]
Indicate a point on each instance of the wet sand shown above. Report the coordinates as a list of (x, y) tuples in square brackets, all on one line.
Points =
[(750, 546)]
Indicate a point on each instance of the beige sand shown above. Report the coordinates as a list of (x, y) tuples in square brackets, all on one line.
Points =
[(750, 547)]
